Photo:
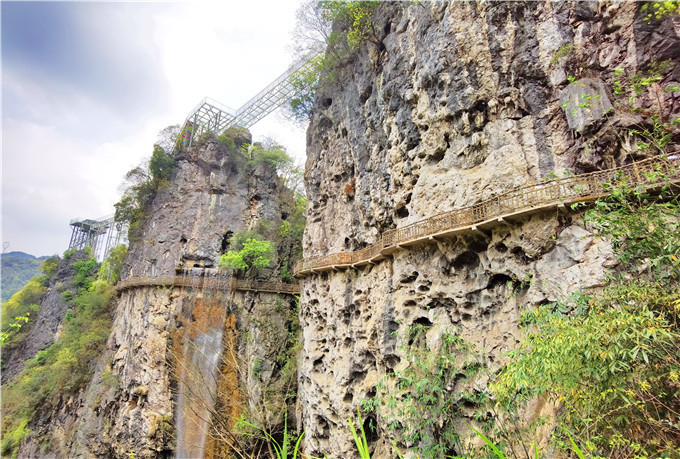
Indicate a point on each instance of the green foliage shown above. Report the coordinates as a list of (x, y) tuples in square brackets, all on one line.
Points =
[(360, 442), (355, 17), (564, 51), (227, 142), (289, 237), (110, 379), (143, 183), (14, 326), (63, 368), (12, 439), (499, 454), (657, 137), (659, 129), (274, 155), (67, 296), (660, 9), (418, 401), (255, 253), (339, 26), (50, 266), (204, 137), (305, 83), (17, 310), (161, 165), (612, 358), (238, 135), (85, 271), (17, 269), (111, 267)]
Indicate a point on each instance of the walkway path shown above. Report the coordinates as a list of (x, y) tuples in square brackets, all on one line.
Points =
[(207, 282), (480, 217)]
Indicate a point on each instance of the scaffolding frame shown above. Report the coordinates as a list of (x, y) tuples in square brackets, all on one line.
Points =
[(211, 115), (101, 235)]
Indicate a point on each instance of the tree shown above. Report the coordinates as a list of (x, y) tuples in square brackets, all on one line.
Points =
[(167, 138), (141, 186), (312, 29), (338, 28), (161, 164), (254, 254), (111, 267)]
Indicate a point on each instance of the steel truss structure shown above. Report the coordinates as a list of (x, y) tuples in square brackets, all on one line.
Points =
[(101, 235), (210, 115)]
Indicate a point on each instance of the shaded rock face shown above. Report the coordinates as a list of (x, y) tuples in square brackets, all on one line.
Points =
[(129, 405), (465, 101)]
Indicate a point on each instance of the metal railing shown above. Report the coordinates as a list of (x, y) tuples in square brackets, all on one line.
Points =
[(523, 200), (211, 115), (207, 283)]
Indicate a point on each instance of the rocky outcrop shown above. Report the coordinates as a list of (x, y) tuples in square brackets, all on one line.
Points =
[(460, 102), (129, 408)]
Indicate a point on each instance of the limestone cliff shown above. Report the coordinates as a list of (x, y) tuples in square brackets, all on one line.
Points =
[(461, 101), (212, 194), (142, 394)]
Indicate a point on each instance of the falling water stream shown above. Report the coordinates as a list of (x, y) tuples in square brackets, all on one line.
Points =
[(199, 369)]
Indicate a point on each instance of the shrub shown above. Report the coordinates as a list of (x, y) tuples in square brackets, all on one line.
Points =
[(17, 311), (611, 358), (111, 268), (274, 155), (227, 142), (418, 401), (254, 254)]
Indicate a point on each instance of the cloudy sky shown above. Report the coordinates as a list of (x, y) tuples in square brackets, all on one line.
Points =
[(86, 87)]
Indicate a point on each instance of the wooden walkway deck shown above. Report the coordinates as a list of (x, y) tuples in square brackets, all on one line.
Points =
[(480, 217), (207, 283)]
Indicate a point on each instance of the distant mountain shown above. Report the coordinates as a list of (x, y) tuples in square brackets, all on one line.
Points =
[(17, 269)]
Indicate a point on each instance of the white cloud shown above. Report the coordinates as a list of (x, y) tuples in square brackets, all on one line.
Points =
[(66, 148)]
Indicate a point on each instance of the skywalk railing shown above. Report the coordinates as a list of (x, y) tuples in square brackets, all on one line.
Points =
[(520, 201), (207, 283), (210, 115)]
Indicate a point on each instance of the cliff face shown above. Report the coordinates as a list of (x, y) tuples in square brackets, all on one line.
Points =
[(460, 102), (210, 195), (131, 404)]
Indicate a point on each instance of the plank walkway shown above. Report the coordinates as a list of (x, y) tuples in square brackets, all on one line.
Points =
[(216, 282), (541, 197)]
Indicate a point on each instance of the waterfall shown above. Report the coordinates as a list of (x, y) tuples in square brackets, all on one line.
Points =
[(198, 371)]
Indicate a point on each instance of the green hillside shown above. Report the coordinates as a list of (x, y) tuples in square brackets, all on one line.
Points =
[(17, 269)]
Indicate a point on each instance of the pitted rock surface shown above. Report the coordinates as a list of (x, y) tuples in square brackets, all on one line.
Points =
[(461, 101)]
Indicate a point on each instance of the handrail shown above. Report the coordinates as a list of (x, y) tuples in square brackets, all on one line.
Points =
[(522, 200), (207, 283)]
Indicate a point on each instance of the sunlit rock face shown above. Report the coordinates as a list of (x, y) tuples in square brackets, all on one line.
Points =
[(460, 101)]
